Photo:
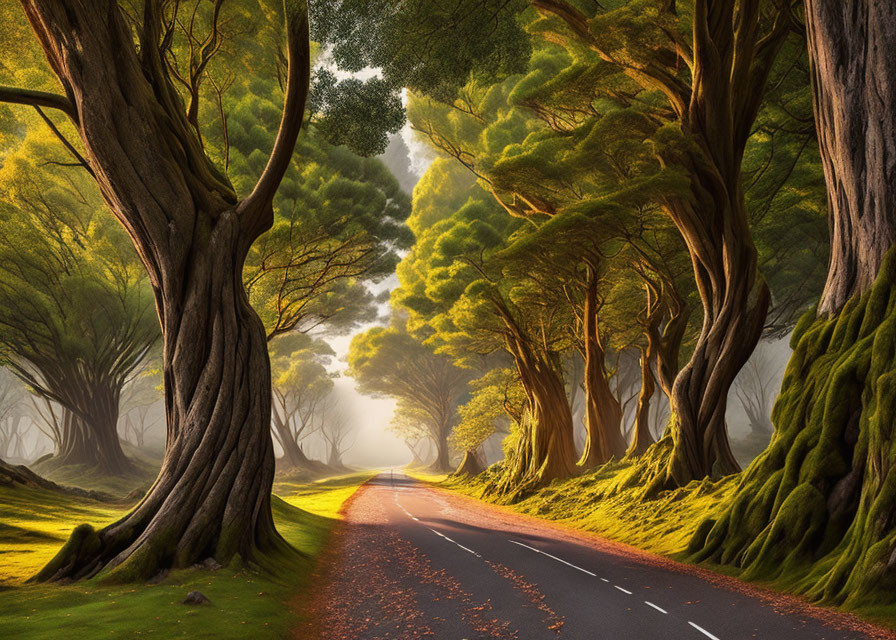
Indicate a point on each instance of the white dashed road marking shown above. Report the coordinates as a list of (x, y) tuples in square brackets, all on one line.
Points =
[(660, 609), (703, 631), (560, 560), (467, 549), (568, 564)]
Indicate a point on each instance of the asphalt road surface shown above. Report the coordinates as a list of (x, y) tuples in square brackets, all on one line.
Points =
[(415, 562)]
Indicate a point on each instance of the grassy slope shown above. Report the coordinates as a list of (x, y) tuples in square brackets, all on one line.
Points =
[(245, 603), (604, 502)]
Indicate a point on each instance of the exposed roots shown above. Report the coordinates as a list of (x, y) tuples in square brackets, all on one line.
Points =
[(818, 508)]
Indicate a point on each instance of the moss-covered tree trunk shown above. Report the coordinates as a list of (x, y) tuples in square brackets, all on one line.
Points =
[(603, 413), (819, 505), (212, 496), (546, 447)]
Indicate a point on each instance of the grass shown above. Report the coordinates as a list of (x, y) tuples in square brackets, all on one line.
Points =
[(245, 603), (597, 502), (87, 477), (606, 502)]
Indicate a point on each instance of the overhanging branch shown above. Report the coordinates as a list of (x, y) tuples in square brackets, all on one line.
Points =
[(17, 95)]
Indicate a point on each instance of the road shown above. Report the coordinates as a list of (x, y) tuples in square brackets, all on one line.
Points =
[(414, 562)]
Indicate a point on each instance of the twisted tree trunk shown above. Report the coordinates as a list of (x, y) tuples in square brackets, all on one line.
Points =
[(820, 502), (603, 414), (212, 496), (546, 449)]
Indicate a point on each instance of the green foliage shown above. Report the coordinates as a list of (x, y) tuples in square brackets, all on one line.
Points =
[(74, 299), (495, 398), (391, 36)]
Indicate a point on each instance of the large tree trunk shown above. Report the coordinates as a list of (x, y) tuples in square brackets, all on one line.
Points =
[(735, 301), (819, 502), (603, 414), (470, 465), (546, 448), (212, 496)]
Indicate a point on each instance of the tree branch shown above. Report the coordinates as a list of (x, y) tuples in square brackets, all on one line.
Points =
[(256, 208), (16, 95)]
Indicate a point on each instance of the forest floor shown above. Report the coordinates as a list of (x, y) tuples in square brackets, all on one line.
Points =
[(34, 523), (601, 503)]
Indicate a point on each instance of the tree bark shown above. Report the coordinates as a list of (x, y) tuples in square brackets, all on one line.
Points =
[(643, 438), (442, 462), (603, 413), (855, 110), (212, 496), (819, 502), (546, 449), (470, 465)]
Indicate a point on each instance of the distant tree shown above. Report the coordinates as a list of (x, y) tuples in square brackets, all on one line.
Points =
[(76, 310), (139, 397), (12, 413), (301, 387), (756, 387), (337, 432), (391, 362)]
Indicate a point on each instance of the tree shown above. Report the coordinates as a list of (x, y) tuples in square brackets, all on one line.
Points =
[(123, 92), (391, 362), (301, 387), (819, 500), (755, 388), (702, 122), (76, 314), (140, 397), (496, 398), (12, 395), (336, 431), (480, 301)]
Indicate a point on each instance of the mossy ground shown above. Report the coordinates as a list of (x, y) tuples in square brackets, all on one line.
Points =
[(245, 603), (609, 502)]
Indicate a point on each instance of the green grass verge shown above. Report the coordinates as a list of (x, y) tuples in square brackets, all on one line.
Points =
[(245, 603), (606, 501)]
